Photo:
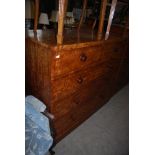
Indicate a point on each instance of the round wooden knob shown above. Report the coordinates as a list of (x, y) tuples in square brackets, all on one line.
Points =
[(80, 80), (83, 57)]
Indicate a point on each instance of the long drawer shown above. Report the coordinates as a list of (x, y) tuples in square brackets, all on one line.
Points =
[(68, 61), (71, 120), (98, 87), (75, 59), (67, 85)]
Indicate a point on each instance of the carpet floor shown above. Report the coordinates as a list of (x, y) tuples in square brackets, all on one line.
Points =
[(106, 132)]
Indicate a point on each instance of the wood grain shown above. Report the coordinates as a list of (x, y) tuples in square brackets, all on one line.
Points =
[(38, 83), (67, 85)]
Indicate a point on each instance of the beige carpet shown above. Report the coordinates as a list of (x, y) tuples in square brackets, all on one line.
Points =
[(104, 133)]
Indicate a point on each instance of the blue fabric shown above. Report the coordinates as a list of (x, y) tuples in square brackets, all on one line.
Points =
[(37, 104), (38, 139)]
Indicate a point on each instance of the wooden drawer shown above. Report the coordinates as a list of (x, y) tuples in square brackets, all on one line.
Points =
[(76, 59), (67, 85), (81, 97), (72, 119)]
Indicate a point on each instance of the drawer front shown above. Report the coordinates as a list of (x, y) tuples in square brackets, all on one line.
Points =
[(72, 111), (76, 59), (71, 120), (63, 87), (81, 98)]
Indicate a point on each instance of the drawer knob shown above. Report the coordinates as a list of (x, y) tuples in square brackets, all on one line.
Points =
[(80, 80), (83, 57)]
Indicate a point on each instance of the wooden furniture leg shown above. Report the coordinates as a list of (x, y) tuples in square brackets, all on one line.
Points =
[(101, 20), (62, 9), (36, 15)]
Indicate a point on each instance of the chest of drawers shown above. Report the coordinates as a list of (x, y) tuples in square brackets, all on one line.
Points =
[(75, 71), (75, 80)]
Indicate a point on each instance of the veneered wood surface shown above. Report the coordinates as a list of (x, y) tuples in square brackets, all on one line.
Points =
[(69, 84), (38, 71), (66, 61), (77, 115), (99, 86), (71, 120), (77, 59)]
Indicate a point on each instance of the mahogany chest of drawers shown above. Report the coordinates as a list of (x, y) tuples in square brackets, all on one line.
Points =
[(75, 80)]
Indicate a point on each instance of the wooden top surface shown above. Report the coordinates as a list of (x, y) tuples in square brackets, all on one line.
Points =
[(72, 37)]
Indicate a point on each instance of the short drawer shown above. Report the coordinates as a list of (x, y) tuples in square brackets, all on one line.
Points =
[(76, 59), (69, 84)]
